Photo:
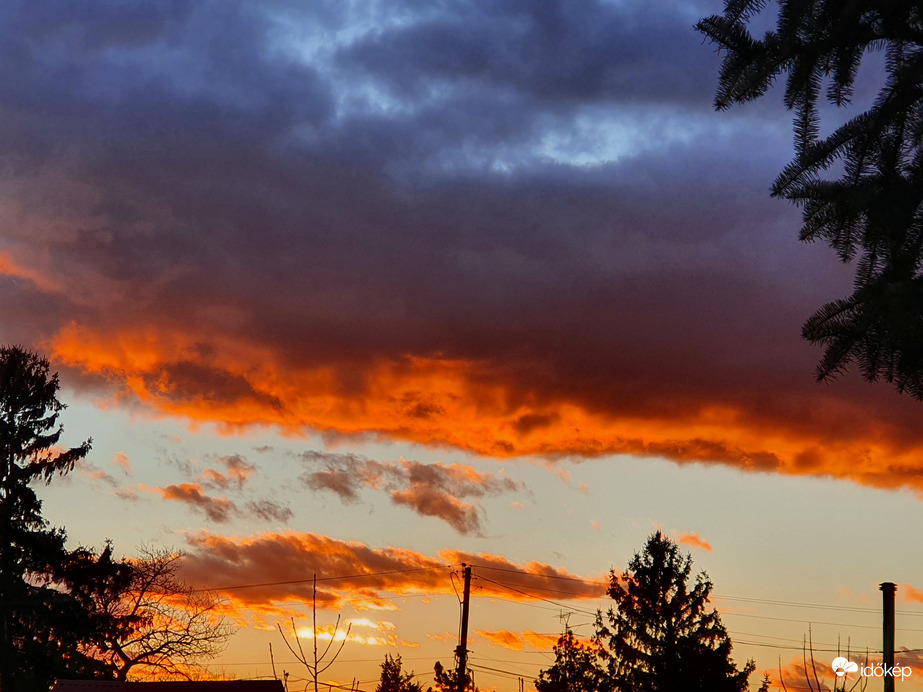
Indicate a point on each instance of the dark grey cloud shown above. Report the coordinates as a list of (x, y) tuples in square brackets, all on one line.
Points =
[(432, 490), (536, 190), (269, 510), (557, 53), (217, 509), (94, 473), (206, 491)]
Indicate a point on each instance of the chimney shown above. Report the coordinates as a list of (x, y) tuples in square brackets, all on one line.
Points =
[(887, 603)]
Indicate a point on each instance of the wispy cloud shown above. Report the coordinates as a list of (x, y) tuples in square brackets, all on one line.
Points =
[(434, 490), (121, 460), (911, 594), (237, 472), (504, 638), (516, 641), (90, 470), (268, 510), (217, 509), (693, 540)]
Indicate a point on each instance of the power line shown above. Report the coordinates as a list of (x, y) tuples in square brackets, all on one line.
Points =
[(815, 622), (500, 597), (799, 604), (531, 596), (728, 597), (500, 671), (539, 576), (538, 598), (565, 593), (762, 617), (335, 578), (507, 660), (345, 660), (797, 641), (794, 648), (767, 601)]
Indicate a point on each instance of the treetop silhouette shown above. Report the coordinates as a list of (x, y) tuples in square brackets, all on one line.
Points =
[(660, 635)]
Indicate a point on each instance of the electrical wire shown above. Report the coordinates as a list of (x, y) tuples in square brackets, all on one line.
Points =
[(334, 578), (737, 633), (799, 604), (539, 576), (766, 601), (815, 622), (499, 671), (743, 640), (537, 598)]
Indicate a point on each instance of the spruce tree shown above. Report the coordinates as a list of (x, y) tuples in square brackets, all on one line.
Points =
[(660, 636), (49, 620), (872, 213), (393, 678)]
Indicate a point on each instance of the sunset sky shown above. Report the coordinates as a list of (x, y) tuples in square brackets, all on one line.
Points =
[(381, 287)]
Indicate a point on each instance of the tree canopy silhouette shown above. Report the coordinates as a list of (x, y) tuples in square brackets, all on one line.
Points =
[(394, 679), (660, 636), (445, 680), (77, 613), (576, 667), (871, 214), (49, 618)]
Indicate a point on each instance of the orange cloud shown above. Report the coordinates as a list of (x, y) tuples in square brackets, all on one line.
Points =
[(481, 406), (446, 636), (121, 460), (912, 594), (540, 641), (910, 657), (269, 569), (693, 540), (798, 674), (238, 471), (516, 641), (504, 638), (10, 267)]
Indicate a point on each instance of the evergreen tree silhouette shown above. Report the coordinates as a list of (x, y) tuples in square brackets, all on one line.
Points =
[(393, 678), (49, 618), (576, 668), (872, 214), (660, 636)]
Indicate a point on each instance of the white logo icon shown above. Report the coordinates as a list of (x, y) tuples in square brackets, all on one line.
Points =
[(842, 665)]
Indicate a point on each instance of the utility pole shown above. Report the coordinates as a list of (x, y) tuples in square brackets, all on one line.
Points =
[(887, 603), (461, 673)]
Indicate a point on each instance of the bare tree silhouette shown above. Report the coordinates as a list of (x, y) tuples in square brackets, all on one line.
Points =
[(316, 665)]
